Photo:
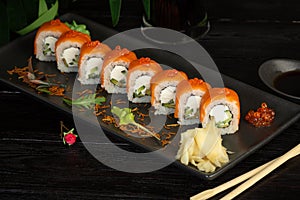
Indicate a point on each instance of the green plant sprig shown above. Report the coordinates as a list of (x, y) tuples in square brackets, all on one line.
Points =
[(78, 27), (45, 15), (87, 101), (126, 117)]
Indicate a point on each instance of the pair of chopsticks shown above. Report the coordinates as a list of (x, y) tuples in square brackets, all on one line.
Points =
[(250, 177)]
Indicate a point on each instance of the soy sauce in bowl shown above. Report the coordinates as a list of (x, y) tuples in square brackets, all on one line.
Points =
[(289, 83)]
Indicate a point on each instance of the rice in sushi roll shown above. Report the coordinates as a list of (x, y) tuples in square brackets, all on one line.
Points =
[(188, 98), (46, 37), (90, 62), (114, 70), (163, 90), (67, 50), (223, 104), (139, 75)]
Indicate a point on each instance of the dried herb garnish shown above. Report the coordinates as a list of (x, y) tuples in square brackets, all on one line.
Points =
[(126, 117), (51, 90), (87, 101), (39, 82)]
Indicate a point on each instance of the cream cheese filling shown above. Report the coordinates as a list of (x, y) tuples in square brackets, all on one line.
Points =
[(70, 56), (191, 109), (92, 69), (49, 46), (118, 75), (219, 113), (167, 95), (142, 85)]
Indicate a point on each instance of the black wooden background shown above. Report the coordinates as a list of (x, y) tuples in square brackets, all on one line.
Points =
[(234, 10)]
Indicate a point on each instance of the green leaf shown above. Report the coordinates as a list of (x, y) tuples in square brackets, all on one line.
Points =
[(126, 117), (47, 16), (43, 89), (115, 9), (4, 30), (85, 101), (146, 4), (16, 14), (42, 7), (78, 27), (124, 114), (203, 22)]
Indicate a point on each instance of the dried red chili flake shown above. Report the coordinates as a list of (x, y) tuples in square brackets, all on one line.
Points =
[(262, 117)]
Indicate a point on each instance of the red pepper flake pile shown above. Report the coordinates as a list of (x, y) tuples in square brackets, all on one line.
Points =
[(262, 117)]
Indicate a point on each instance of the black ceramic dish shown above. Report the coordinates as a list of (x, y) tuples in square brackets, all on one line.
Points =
[(244, 142), (272, 70)]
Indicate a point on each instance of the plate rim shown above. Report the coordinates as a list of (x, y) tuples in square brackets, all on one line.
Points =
[(264, 65)]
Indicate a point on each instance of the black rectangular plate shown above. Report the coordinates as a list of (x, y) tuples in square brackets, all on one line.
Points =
[(247, 140)]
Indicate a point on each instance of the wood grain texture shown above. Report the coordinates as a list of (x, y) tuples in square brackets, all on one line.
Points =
[(35, 164)]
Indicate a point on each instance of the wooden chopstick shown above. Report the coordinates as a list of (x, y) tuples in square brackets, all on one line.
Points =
[(279, 161), (256, 175), (211, 192)]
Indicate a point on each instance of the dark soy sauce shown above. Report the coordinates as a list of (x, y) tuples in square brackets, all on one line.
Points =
[(289, 83)]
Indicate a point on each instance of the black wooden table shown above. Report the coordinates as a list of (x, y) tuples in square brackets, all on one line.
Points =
[(36, 165)]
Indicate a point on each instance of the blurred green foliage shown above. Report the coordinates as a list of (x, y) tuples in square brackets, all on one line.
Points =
[(18, 14), (115, 9), (18, 17)]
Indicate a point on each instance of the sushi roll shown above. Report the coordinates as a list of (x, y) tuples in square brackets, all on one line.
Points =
[(115, 68), (163, 90), (46, 37), (223, 104), (139, 75), (67, 50), (188, 98), (90, 62)]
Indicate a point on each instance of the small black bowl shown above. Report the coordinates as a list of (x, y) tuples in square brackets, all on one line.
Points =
[(270, 70)]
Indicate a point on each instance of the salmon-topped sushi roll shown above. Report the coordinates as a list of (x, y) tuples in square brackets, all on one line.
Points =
[(139, 75), (223, 104), (67, 50), (46, 37), (115, 68), (90, 62), (188, 98), (163, 90)]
